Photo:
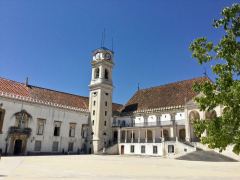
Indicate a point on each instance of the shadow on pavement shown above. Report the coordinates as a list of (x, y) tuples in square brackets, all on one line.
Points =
[(209, 156)]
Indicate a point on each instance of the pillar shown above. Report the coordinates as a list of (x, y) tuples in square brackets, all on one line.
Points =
[(139, 135), (119, 135), (162, 136), (132, 136), (154, 135), (126, 135), (146, 135), (187, 125)]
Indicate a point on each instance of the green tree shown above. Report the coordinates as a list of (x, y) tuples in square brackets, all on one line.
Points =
[(225, 90)]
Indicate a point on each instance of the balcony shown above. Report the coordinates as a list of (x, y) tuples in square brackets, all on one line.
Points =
[(149, 124), (153, 124), (18, 130), (156, 140)]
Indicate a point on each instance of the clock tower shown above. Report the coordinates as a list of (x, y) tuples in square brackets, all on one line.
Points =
[(100, 99)]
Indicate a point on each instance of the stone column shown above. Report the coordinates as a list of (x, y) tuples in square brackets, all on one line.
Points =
[(204, 134), (126, 136), (154, 136), (139, 135), (187, 125), (119, 135), (132, 136), (162, 136), (146, 136), (173, 127)]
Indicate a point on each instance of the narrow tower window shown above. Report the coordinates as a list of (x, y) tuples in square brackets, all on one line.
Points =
[(106, 74), (97, 73)]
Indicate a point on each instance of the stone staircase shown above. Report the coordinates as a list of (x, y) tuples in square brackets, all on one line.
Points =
[(110, 150)]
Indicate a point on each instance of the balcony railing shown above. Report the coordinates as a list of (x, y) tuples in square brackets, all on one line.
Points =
[(144, 124), (156, 140), (18, 130)]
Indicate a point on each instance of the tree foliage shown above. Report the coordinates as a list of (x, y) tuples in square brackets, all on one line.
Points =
[(225, 90)]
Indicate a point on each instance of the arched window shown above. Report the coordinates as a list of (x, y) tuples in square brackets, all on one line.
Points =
[(106, 74), (193, 115), (149, 135), (165, 133), (182, 134), (97, 73), (210, 114)]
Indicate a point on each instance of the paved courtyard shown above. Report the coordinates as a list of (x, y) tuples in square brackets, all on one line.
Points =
[(113, 167)]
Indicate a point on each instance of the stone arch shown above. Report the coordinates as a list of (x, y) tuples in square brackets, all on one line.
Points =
[(210, 114), (182, 134), (193, 115), (165, 133), (149, 135)]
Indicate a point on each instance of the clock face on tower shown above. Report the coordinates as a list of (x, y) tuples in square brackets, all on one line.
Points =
[(108, 56), (98, 55)]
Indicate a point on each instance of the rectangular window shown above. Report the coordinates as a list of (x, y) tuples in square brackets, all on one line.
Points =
[(132, 149), (170, 148), (105, 113), (106, 103), (72, 130), (57, 125), (142, 149), (155, 150), (40, 126), (55, 146), (93, 122), (38, 145), (70, 147), (93, 112), (94, 103), (105, 123)]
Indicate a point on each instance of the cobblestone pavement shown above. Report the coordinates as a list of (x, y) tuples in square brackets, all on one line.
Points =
[(113, 167)]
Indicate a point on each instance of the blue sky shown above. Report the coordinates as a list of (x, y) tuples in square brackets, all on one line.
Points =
[(51, 41)]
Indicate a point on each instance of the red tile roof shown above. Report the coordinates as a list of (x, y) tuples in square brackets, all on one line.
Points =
[(173, 94), (46, 95)]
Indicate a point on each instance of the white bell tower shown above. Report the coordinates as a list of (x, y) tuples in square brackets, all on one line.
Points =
[(100, 99)]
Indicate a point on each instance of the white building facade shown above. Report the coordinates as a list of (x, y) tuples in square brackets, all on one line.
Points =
[(156, 121)]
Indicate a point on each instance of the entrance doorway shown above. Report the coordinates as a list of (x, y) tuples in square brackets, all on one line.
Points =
[(122, 149), (18, 147)]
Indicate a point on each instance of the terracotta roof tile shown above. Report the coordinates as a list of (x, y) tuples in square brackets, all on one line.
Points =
[(173, 94), (46, 95)]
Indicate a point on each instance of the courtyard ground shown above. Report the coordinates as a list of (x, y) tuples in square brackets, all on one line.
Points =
[(113, 167)]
